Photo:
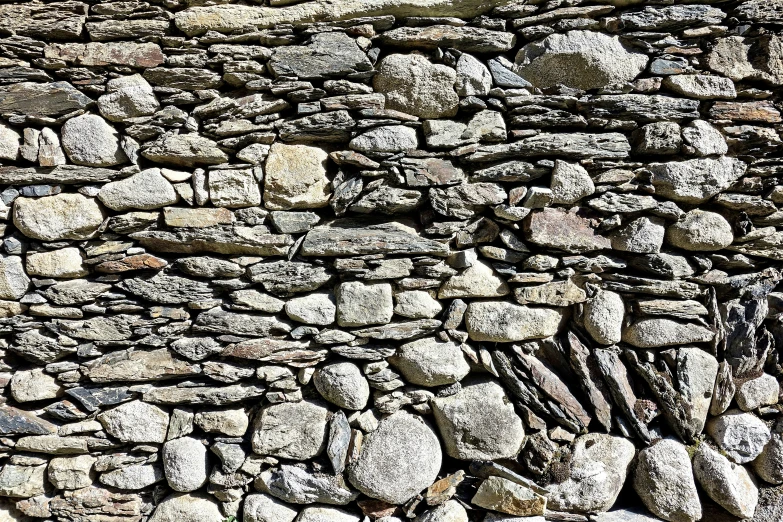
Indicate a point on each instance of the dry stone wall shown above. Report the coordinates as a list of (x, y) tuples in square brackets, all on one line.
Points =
[(359, 260)]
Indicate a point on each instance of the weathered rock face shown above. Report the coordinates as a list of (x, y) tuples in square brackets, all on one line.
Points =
[(578, 59), (700, 231), (54, 218), (728, 484), (412, 84), (597, 471), (428, 362), (295, 177), (664, 481), (479, 423), (397, 460), (430, 260), (502, 322), (294, 431), (697, 180), (187, 508)]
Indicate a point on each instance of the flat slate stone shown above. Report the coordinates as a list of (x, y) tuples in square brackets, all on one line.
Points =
[(327, 55), (575, 145), (347, 237), (56, 20), (470, 39), (230, 18), (42, 99)]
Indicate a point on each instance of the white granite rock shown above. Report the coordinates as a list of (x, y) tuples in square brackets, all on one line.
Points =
[(185, 464), (413, 84), (342, 384), (89, 140), (479, 422), (397, 460), (145, 191)]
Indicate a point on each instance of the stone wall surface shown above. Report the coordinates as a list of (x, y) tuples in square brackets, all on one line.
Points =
[(359, 260)]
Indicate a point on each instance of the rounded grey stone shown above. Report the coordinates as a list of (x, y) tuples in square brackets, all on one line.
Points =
[(664, 481), (397, 460), (342, 384), (603, 317), (479, 422), (578, 59), (89, 140), (700, 231), (185, 464), (429, 362)]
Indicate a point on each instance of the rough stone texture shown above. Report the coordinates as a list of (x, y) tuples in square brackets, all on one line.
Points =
[(664, 481), (145, 191), (500, 494), (291, 430), (769, 464), (127, 97), (578, 59), (728, 484), (697, 180), (700, 231), (185, 464), (184, 507), (54, 218), (397, 460), (283, 226), (295, 177), (90, 140), (741, 435), (597, 471), (360, 304), (656, 333), (136, 421), (342, 384), (502, 322), (479, 423), (429, 362), (62, 263), (412, 84), (604, 315)]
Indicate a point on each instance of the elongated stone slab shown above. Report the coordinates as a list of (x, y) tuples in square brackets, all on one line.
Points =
[(14, 421), (639, 107), (117, 53), (234, 18), (138, 365), (66, 174), (576, 145), (237, 240), (42, 99), (58, 20), (470, 39), (348, 237), (209, 395)]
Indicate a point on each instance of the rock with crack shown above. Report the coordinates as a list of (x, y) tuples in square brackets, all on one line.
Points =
[(728, 484), (414, 85), (741, 435), (502, 322)]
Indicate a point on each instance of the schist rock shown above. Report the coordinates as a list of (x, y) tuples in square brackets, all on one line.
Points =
[(428, 260)]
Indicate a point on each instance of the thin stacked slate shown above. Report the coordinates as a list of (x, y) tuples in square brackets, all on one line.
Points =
[(385, 260)]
